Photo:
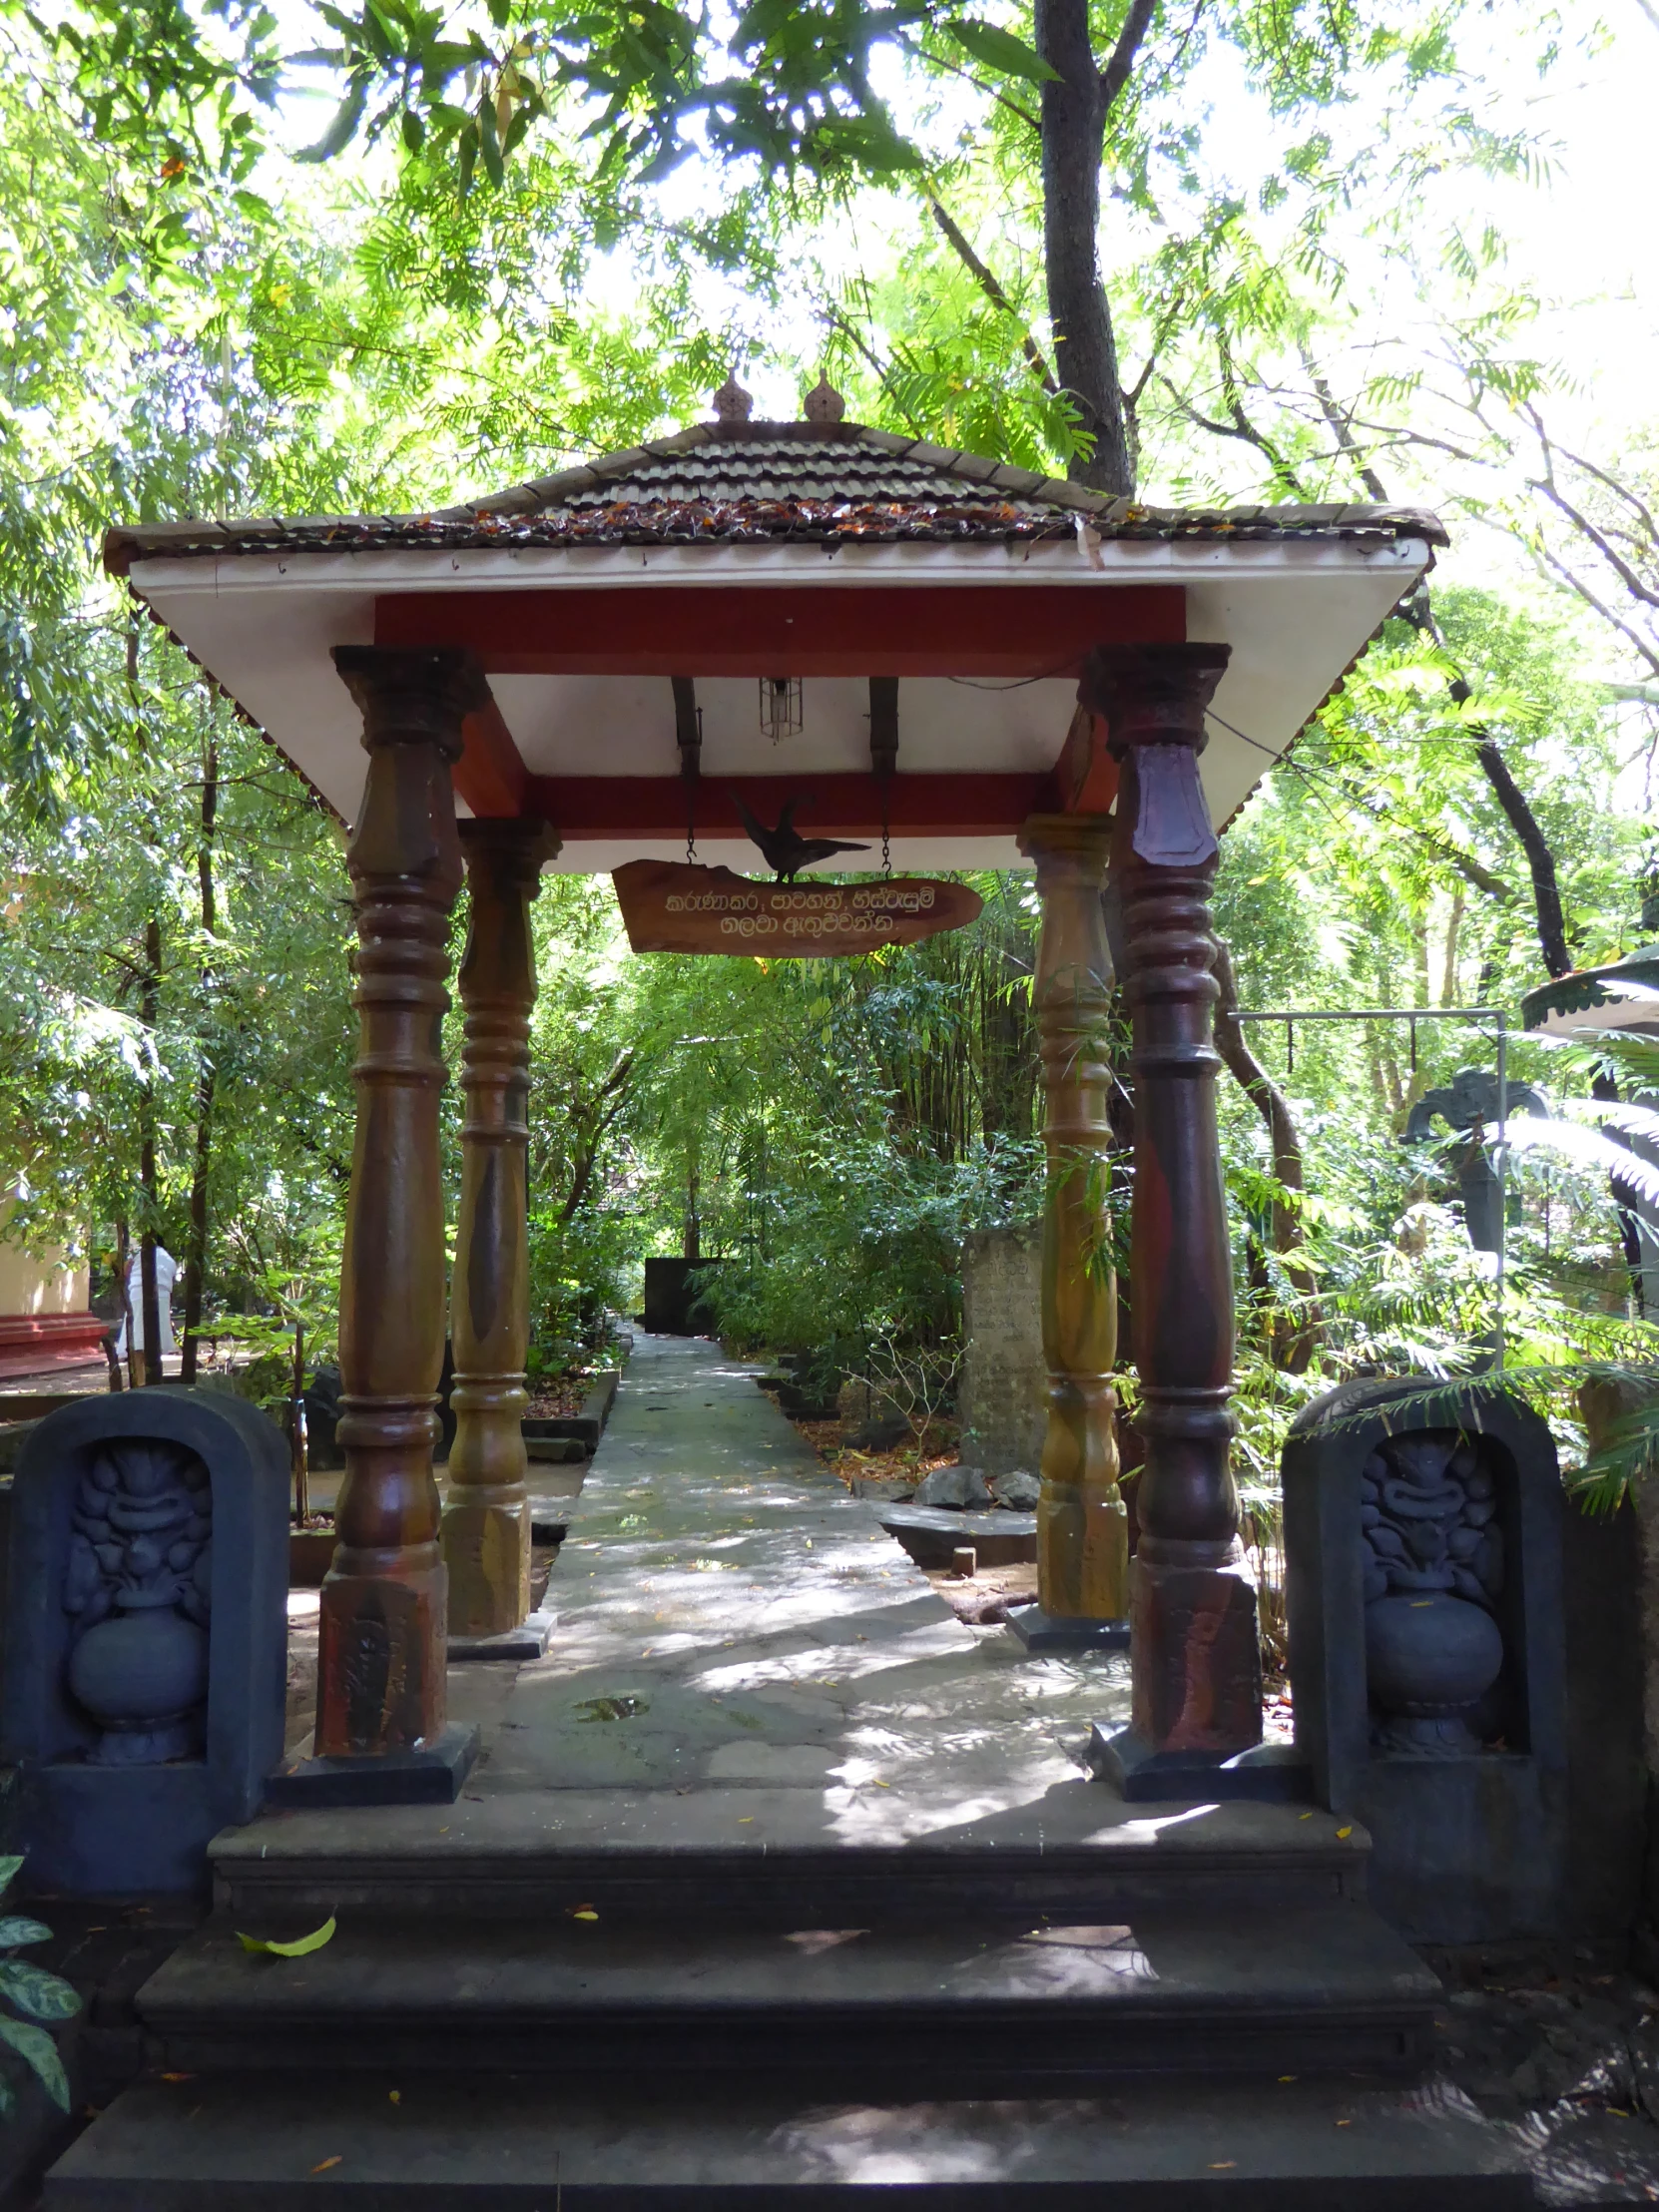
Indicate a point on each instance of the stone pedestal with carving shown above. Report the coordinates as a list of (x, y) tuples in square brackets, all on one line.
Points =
[(146, 1636), (1422, 1543)]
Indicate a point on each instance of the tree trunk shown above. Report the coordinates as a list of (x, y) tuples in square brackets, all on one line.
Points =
[(1546, 892), (150, 1013), (1293, 1337), (196, 1255), (123, 1260), (1074, 108), (693, 1241)]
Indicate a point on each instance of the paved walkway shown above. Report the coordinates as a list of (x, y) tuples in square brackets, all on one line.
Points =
[(766, 1630), (743, 1655)]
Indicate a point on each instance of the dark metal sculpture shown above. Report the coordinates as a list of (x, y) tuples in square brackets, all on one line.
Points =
[(785, 850), (1469, 1105)]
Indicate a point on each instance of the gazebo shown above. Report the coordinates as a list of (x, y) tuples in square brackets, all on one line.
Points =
[(971, 665)]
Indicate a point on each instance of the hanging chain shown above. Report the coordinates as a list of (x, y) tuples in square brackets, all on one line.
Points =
[(690, 772), (887, 848)]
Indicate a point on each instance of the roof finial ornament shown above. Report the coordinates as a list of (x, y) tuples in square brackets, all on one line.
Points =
[(823, 403), (731, 402)]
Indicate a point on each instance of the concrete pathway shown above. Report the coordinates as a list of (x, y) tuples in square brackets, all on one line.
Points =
[(729, 1617), (743, 1658)]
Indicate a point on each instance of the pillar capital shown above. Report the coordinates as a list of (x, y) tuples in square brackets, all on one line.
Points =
[(515, 847), (1152, 693), (1153, 698), (413, 695), (504, 860), (1068, 848)]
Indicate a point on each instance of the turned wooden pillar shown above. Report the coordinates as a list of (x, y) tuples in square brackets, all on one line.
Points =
[(1194, 1651), (486, 1515), (382, 1658), (1082, 1523)]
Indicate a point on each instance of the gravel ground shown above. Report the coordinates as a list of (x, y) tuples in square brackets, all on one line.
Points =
[(1560, 2044)]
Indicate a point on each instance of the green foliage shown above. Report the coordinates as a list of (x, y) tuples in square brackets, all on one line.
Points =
[(505, 283), (38, 1996), (854, 1243)]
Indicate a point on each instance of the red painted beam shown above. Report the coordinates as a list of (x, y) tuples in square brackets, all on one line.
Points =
[(490, 774), (1085, 772), (584, 807), (1015, 631)]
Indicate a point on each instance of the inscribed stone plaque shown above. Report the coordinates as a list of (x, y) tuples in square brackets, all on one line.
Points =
[(1004, 1396)]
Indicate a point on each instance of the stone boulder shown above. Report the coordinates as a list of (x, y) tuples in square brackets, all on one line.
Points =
[(880, 1436), (1018, 1492), (961, 1490)]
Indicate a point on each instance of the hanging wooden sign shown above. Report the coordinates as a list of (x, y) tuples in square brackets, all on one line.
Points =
[(675, 906)]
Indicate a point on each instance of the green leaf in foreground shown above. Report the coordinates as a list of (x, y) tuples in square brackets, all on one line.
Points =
[(43, 1996), (38, 2048), (296, 1949), (19, 1931), (999, 49)]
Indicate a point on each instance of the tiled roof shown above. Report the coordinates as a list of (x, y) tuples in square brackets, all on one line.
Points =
[(749, 482)]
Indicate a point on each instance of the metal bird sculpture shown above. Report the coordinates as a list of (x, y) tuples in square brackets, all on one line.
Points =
[(786, 851)]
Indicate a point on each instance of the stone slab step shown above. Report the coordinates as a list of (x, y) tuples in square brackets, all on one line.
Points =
[(1327, 1989), (781, 1858), (931, 1534), (260, 2144)]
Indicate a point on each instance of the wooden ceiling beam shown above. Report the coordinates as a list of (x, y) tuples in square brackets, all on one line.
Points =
[(1010, 630), (1086, 773), (490, 774), (586, 808)]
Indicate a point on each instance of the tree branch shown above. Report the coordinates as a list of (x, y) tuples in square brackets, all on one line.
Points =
[(1115, 74), (1546, 893), (1242, 428), (1598, 539), (1294, 1340), (989, 282), (1609, 615), (936, 59), (1602, 476), (1341, 429), (883, 376), (1540, 861)]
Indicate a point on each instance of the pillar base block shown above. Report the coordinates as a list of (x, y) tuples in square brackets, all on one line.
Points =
[(1197, 1654), (486, 1548), (1040, 1632), (430, 1776), (529, 1640), (1267, 1773)]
